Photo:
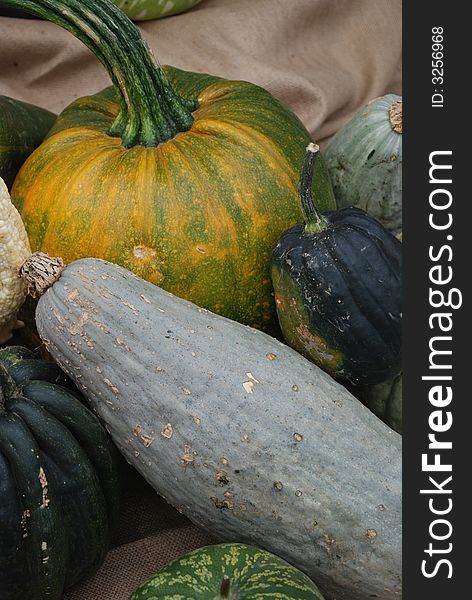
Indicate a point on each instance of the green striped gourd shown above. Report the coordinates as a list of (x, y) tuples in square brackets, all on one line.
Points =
[(229, 571)]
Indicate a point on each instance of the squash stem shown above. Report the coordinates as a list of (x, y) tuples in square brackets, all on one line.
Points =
[(151, 112), (395, 113), (314, 220), (225, 587), (40, 271)]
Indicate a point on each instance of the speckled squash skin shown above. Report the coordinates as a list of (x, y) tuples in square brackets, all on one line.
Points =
[(197, 212), (236, 430), (22, 128), (143, 10), (338, 290), (231, 571), (364, 159), (385, 400), (58, 481)]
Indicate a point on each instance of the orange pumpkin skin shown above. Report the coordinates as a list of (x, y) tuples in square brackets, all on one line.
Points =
[(186, 179), (198, 215)]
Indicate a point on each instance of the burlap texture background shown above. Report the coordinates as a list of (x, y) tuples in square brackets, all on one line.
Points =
[(150, 534), (323, 58)]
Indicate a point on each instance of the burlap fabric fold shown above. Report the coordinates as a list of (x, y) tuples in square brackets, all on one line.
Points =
[(323, 58)]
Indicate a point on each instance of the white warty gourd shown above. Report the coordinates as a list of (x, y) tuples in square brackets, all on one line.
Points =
[(14, 250)]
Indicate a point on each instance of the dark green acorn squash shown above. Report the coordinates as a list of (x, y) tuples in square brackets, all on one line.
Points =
[(231, 571), (22, 128), (58, 481), (337, 282)]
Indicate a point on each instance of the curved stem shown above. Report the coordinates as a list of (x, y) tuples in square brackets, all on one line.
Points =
[(151, 112), (314, 220)]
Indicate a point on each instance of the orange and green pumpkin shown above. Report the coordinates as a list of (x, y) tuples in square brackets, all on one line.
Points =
[(186, 179)]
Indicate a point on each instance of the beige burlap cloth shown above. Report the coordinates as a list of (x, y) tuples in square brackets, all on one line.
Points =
[(323, 58)]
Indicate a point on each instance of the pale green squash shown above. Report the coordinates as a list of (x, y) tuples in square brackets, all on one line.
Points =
[(365, 161), (231, 571)]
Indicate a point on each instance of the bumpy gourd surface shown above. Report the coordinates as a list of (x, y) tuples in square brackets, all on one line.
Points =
[(14, 249), (253, 575), (236, 430)]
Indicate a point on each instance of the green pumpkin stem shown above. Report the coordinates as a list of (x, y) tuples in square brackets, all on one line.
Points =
[(314, 220), (151, 112), (225, 587)]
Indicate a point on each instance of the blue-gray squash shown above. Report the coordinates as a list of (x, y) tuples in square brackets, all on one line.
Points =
[(236, 430), (365, 161)]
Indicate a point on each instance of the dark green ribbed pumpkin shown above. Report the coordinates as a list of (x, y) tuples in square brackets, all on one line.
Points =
[(229, 571), (187, 180), (337, 282), (58, 481), (22, 128)]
